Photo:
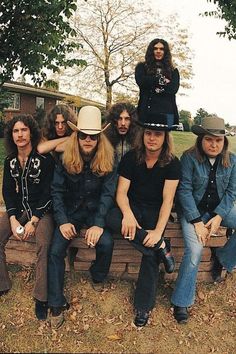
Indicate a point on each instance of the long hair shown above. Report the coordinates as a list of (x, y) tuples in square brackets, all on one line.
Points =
[(49, 130), (113, 116), (101, 163), (166, 62), (200, 155), (29, 122), (167, 152)]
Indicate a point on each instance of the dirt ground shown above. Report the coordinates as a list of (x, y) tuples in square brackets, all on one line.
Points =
[(102, 322)]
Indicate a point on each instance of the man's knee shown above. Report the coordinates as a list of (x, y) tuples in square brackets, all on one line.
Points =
[(58, 247), (195, 253), (106, 241)]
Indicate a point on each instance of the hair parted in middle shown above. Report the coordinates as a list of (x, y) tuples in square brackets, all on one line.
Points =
[(49, 130), (102, 162), (167, 152), (166, 62), (200, 155), (29, 121), (113, 116)]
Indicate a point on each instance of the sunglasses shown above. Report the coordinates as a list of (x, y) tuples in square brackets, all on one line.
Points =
[(83, 136)]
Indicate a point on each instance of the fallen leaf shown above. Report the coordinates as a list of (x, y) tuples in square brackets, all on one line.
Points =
[(114, 337)]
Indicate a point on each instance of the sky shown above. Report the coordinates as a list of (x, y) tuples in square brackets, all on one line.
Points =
[(214, 81)]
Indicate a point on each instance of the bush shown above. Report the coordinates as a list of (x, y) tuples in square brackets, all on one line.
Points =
[(2, 126)]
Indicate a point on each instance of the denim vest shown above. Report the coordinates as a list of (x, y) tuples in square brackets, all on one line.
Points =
[(194, 181)]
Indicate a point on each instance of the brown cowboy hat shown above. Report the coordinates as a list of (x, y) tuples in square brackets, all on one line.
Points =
[(89, 121), (212, 125)]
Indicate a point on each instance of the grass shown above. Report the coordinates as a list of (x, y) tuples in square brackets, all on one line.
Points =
[(102, 322)]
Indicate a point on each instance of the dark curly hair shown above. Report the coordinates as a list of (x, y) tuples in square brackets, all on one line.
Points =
[(166, 62), (29, 122), (49, 131), (113, 116)]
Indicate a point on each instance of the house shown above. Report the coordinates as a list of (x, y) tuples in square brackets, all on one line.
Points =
[(27, 99)]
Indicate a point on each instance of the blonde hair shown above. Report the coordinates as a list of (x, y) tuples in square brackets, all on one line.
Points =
[(102, 162)]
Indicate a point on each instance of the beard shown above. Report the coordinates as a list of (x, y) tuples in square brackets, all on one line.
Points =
[(87, 155)]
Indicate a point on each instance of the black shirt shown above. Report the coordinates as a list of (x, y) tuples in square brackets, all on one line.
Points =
[(210, 199), (147, 184), (28, 189)]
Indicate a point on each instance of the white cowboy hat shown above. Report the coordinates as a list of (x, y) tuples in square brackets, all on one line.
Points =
[(89, 121), (212, 125)]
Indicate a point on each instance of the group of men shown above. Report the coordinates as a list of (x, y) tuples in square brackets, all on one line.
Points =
[(121, 177)]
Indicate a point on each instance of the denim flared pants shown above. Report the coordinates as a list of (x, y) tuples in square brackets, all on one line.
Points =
[(185, 287), (56, 271)]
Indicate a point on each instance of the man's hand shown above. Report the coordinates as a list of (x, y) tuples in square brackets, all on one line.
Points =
[(129, 225), (214, 224), (14, 224), (29, 231), (92, 235), (202, 232), (152, 238), (68, 231)]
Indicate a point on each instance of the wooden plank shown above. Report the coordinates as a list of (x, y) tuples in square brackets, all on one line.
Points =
[(20, 257)]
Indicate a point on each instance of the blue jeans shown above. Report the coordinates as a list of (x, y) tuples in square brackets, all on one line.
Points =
[(56, 265), (185, 287), (170, 119)]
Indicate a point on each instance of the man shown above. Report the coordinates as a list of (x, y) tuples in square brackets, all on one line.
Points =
[(26, 192), (207, 193), (56, 130), (148, 177), (123, 129), (83, 189)]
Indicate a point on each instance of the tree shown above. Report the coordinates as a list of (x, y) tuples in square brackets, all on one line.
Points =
[(201, 113), (115, 35), (186, 119), (226, 10), (35, 35)]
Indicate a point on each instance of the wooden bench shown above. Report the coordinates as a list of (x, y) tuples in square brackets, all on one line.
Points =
[(125, 260)]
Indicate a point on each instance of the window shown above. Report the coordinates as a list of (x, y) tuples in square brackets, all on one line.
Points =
[(14, 101), (40, 102)]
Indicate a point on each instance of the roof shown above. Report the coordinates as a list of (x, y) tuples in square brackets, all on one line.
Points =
[(22, 87)]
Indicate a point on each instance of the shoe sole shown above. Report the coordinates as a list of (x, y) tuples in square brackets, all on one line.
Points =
[(182, 322)]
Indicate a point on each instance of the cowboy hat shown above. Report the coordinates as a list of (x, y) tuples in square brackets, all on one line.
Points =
[(212, 125), (155, 122), (89, 121)]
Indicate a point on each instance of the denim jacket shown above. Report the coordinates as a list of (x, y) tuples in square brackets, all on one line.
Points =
[(71, 193), (194, 181)]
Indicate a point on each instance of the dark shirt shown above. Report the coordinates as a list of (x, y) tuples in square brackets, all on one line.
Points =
[(28, 189), (85, 190), (147, 184), (210, 199), (151, 102)]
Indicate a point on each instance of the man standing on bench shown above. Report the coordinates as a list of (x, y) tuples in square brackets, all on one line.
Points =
[(83, 189), (207, 193), (148, 177), (26, 192)]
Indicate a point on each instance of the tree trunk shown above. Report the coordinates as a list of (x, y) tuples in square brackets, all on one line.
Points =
[(109, 97)]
